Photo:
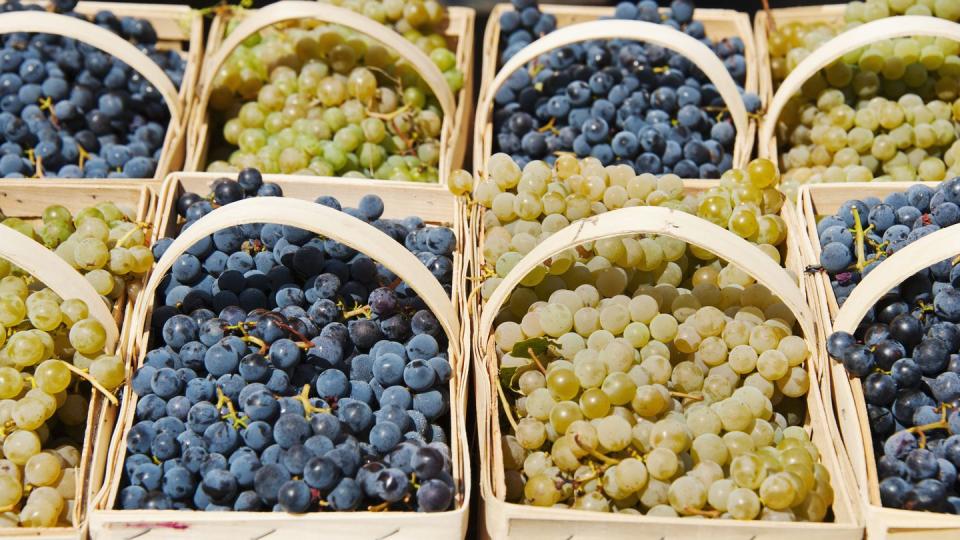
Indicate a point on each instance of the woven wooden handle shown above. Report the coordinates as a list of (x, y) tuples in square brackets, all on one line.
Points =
[(662, 35), (329, 223), (851, 40), (48, 268), (289, 10), (930, 249), (51, 23), (667, 222)]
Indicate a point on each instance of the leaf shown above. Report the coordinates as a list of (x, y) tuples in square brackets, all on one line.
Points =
[(540, 346)]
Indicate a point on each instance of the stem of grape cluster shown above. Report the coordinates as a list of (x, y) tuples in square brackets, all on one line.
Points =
[(308, 409), (506, 406), (858, 228), (705, 513), (592, 452), (922, 429), (258, 342), (686, 396), (536, 360), (232, 416), (87, 377)]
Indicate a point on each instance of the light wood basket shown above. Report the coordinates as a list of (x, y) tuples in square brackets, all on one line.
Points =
[(179, 28), (827, 53), (822, 200), (457, 109), (504, 519), (580, 23), (435, 205), (27, 201)]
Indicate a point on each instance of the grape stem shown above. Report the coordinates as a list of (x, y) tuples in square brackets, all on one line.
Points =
[(536, 360), (264, 348), (232, 416), (87, 377), (308, 408), (686, 396), (382, 507), (357, 310), (858, 229), (705, 513), (592, 452), (506, 406), (82, 155)]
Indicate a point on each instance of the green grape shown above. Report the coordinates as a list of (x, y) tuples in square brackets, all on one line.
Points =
[(88, 336), (687, 494)]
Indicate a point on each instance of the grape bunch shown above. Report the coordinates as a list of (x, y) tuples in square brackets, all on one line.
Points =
[(103, 242), (618, 101), (905, 354), (292, 373), (863, 233), (49, 346), (421, 22), (322, 100), (660, 399), (790, 43), (524, 206), (905, 139), (70, 110)]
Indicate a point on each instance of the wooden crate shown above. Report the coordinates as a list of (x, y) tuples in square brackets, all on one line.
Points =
[(179, 28), (503, 519), (435, 205), (719, 23), (827, 53), (459, 34), (27, 200), (822, 200)]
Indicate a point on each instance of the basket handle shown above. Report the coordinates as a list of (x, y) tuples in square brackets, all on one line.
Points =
[(662, 35), (850, 40), (289, 10), (48, 268), (930, 249), (61, 25), (323, 221), (667, 222)]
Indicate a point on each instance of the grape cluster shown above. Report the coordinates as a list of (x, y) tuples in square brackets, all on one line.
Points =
[(103, 242), (652, 398), (863, 233), (526, 206), (617, 100), (790, 43), (322, 100), (905, 139), (292, 373), (70, 110), (419, 21), (888, 111), (48, 345)]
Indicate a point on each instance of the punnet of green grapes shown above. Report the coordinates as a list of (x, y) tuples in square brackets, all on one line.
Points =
[(104, 242), (887, 111), (49, 349), (525, 206), (631, 395), (311, 98)]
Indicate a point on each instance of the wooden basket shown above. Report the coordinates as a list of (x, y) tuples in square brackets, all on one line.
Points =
[(27, 201), (827, 53), (457, 109), (431, 202), (580, 23), (178, 28), (507, 519), (820, 200), (48, 268)]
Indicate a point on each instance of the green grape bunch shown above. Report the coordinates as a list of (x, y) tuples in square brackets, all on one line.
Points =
[(526, 206), (48, 347), (421, 22), (659, 400), (104, 242), (317, 99)]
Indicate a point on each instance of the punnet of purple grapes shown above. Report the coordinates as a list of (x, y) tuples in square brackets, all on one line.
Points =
[(617, 100), (71, 110), (291, 373), (906, 351)]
